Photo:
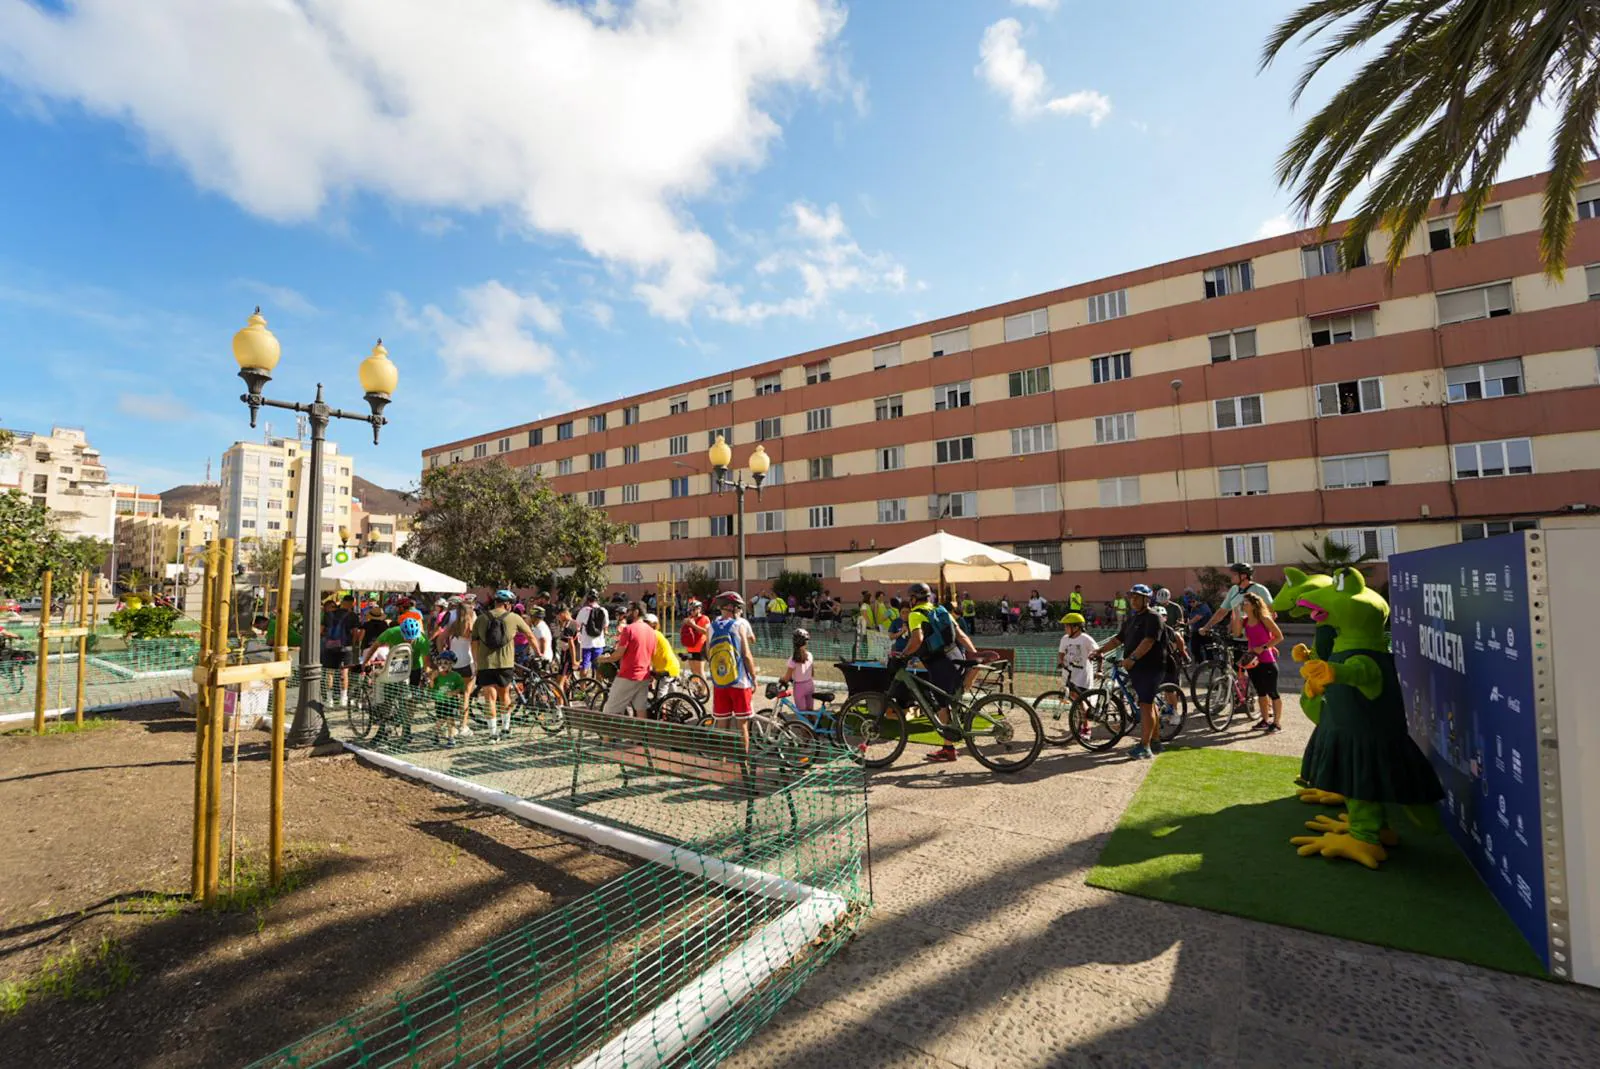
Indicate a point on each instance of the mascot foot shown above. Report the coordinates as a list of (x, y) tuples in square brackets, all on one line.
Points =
[(1340, 825), (1312, 796), (1334, 844)]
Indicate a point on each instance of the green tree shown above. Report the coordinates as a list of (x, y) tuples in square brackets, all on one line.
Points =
[(1435, 109), (31, 541), (797, 586), (700, 584), (1328, 556), (496, 526)]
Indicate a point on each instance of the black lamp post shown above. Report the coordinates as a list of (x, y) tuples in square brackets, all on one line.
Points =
[(257, 351), (721, 456)]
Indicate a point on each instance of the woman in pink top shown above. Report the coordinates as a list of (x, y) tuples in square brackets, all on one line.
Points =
[(1262, 633), (800, 669)]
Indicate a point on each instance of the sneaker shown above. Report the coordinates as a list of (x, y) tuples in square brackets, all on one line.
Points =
[(465, 731), (1139, 751), (1261, 725), (1083, 733), (1156, 746), (506, 727), (1274, 727), (450, 743), (942, 755)]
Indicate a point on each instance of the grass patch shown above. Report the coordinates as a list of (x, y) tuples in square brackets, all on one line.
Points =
[(251, 890), (1211, 828), (79, 973), (69, 727)]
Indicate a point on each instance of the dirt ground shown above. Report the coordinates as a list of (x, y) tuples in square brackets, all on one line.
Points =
[(393, 880)]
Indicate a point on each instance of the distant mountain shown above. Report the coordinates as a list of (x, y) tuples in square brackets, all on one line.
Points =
[(190, 494), (373, 497)]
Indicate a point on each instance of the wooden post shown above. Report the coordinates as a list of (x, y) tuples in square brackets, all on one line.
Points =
[(223, 600), (280, 703), (202, 722), (83, 640), (41, 690)]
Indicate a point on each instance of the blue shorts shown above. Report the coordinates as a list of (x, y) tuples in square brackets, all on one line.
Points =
[(1146, 682), (589, 656)]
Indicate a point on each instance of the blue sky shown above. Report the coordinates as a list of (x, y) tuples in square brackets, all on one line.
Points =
[(540, 204)]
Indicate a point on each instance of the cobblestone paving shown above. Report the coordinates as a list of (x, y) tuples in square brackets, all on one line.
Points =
[(987, 950)]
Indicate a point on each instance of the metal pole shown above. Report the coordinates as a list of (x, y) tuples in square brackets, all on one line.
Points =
[(219, 658), (41, 691), (310, 727), (202, 724), (280, 702), (83, 640), (738, 489)]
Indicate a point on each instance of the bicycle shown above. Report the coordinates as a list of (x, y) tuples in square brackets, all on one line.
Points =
[(536, 695), (1001, 730), (1228, 690), (13, 665), (816, 725), (1099, 717)]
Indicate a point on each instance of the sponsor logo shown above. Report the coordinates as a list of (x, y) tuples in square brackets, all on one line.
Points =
[(1505, 821), (1522, 835), (1516, 764), (1524, 892)]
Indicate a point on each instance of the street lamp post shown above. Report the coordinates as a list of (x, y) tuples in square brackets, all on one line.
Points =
[(721, 456), (257, 351)]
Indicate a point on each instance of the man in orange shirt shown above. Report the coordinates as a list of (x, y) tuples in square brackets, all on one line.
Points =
[(694, 633)]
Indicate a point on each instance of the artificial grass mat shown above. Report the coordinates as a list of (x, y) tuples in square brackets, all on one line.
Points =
[(1211, 827)]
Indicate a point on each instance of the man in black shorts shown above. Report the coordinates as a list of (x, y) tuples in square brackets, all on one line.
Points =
[(339, 636), (934, 634), (1144, 662)]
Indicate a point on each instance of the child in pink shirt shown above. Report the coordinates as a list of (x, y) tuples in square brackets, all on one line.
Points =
[(799, 670)]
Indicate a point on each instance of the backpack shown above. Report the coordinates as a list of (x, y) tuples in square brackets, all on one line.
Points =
[(1169, 648), (687, 634), (942, 636), (338, 635), (594, 625), (722, 657), (495, 632)]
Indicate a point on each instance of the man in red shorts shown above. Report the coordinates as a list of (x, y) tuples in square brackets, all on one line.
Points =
[(731, 657)]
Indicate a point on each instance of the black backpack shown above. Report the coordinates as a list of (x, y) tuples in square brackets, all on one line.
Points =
[(495, 634), (1169, 648), (594, 625)]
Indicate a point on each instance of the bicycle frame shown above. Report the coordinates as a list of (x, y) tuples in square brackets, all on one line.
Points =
[(926, 696)]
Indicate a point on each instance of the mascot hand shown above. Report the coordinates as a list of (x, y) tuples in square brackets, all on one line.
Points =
[(1317, 674), (1301, 652)]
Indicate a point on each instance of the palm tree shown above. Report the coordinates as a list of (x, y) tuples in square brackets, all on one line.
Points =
[(1328, 556), (1434, 112)]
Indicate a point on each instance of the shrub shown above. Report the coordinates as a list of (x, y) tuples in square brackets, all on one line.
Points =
[(147, 621), (795, 587)]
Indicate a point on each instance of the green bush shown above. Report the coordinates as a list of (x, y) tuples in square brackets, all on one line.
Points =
[(795, 587), (699, 583), (147, 621)]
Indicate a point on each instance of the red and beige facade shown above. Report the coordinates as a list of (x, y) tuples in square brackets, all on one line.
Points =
[(1232, 405)]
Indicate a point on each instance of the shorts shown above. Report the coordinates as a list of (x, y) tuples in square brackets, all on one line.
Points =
[(589, 656), (336, 657), (1070, 684), (1264, 677), (627, 695), (464, 671), (694, 655), (1146, 682), (732, 701), (803, 689), (495, 677), (944, 673)]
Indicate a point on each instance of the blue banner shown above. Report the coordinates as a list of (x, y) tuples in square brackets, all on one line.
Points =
[(1462, 644)]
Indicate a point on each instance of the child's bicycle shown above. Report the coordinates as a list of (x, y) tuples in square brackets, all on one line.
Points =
[(1001, 730), (817, 727), (1221, 688)]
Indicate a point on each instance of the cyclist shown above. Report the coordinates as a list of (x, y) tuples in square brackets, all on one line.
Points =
[(1076, 650), (1243, 582), (664, 662), (1261, 632), (694, 634), (800, 670), (732, 659), (1195, 613), (1140, 638), (407, 630), (933, 634)]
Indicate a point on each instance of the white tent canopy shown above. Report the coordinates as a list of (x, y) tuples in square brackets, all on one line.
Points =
[(387, 572), (942, 557)]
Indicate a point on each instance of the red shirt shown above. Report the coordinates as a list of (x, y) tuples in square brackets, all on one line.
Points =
[(700, 638), (636, 642)]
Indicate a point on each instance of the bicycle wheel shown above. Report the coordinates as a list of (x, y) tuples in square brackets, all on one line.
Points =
[(1172, 709), (699, 689), (1244, 696), (1003, 732), (586, 693), (358, 714), (1216, 701), (1054, 709), (543, 701), (869, 732), (677, 708), (1099, 719), (12, 672)]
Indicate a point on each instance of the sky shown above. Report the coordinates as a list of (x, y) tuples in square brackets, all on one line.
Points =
[(539, 204)]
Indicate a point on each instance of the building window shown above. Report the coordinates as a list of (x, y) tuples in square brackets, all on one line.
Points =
[(1230, 278), (768, 384), (1479, 302), (274, 525), (1027, 325), (251, 502), (1376, 543), (455, 457), (1350, 397), (536, 437), (1242, 480), (720, 396), (536, 470), (633, 532), (1588, 203), (273, 503), (819, 468), (1235, 345), (677, 406), (775, 475), (630, 415), (769, 522), (630, 573), (247, 524), (1104, 306), (1112, 368), (886, 356), (1026, 383), (1040, 438), (1483, 460), (1365, 469), (952, 395), (821, 516), (1117, 428), (721, 526), (821, 371), (1238, 411), (1046, 553), (630, 494), (1441, 232), (1489, 528), (952, 341), (564, 466), (433, 461), (721, 570), (1474, 382), (1336, 330), (1324, 259), (502, 446), (819, 419), (824, 568), (1248, 548), (951, 450), (597, 461), (597, 498), (769, 428), (479, 450), (564, 431), (678, 530), (630, 454), (889, 407), (597, 423), (678, 445), (892, 510), (274, 463), (1035, 499), (956, 506), (725, 433), (891, 458), (678, 486), (770, 567), (1123, 490), (1122, 555)]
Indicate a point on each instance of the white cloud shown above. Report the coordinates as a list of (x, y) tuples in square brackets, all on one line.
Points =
[(1005, 66), (156, 407), (818, 249), (1278, 224), (1037, 5), (597, 124), (601, 312), (492, 335), (277, 298)]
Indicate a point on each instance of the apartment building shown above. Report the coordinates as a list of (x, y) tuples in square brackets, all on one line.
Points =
[(378, 532), (1228, 406), (63, 472), (264, 486), (150, 543)]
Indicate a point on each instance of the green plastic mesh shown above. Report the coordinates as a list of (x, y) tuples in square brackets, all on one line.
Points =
[(115, 673), (1033, 652), (761, 877)]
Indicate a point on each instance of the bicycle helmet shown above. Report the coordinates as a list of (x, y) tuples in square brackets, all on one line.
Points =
[(1163, 595), (412, 615), (802, 635), (504, 595), (1073, 618), (1159, 610), (411, 628), (444, 657), (919, 590), (1141, 589), (1240, 568), (518, 607), (731, 595)]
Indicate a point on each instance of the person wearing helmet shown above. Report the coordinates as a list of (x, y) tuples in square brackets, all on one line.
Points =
[(933, 633), (1145, 662), (408, 630), (543, 641), (731, 657), (1075, 652), (593, 621), (494, 658), (1244, 581), (800, 671), (693, 635), (450, 691)]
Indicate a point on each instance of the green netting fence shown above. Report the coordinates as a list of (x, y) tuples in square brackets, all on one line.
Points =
[(116, 673), (753, 871)]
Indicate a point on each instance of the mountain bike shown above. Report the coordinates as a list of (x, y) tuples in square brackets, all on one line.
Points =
[(537, 696), (13, 665), (1001, 730), (1227, 689), (1098, 718)]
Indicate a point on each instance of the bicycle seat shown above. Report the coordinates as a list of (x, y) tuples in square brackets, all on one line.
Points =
[(822, 697), (776, 690)]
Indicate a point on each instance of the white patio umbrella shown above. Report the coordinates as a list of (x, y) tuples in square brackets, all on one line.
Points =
[(387, 572), (945, 558)]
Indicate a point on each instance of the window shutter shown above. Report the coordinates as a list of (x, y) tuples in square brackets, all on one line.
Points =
[(1328, 400), (1225, 414), (1371, 395)]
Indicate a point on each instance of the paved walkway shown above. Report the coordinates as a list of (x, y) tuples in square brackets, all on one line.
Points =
[(987, 949)]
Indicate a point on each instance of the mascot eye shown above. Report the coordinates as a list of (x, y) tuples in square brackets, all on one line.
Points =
[(1338, 582)]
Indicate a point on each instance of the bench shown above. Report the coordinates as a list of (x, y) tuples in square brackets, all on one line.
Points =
[(687, 751)]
